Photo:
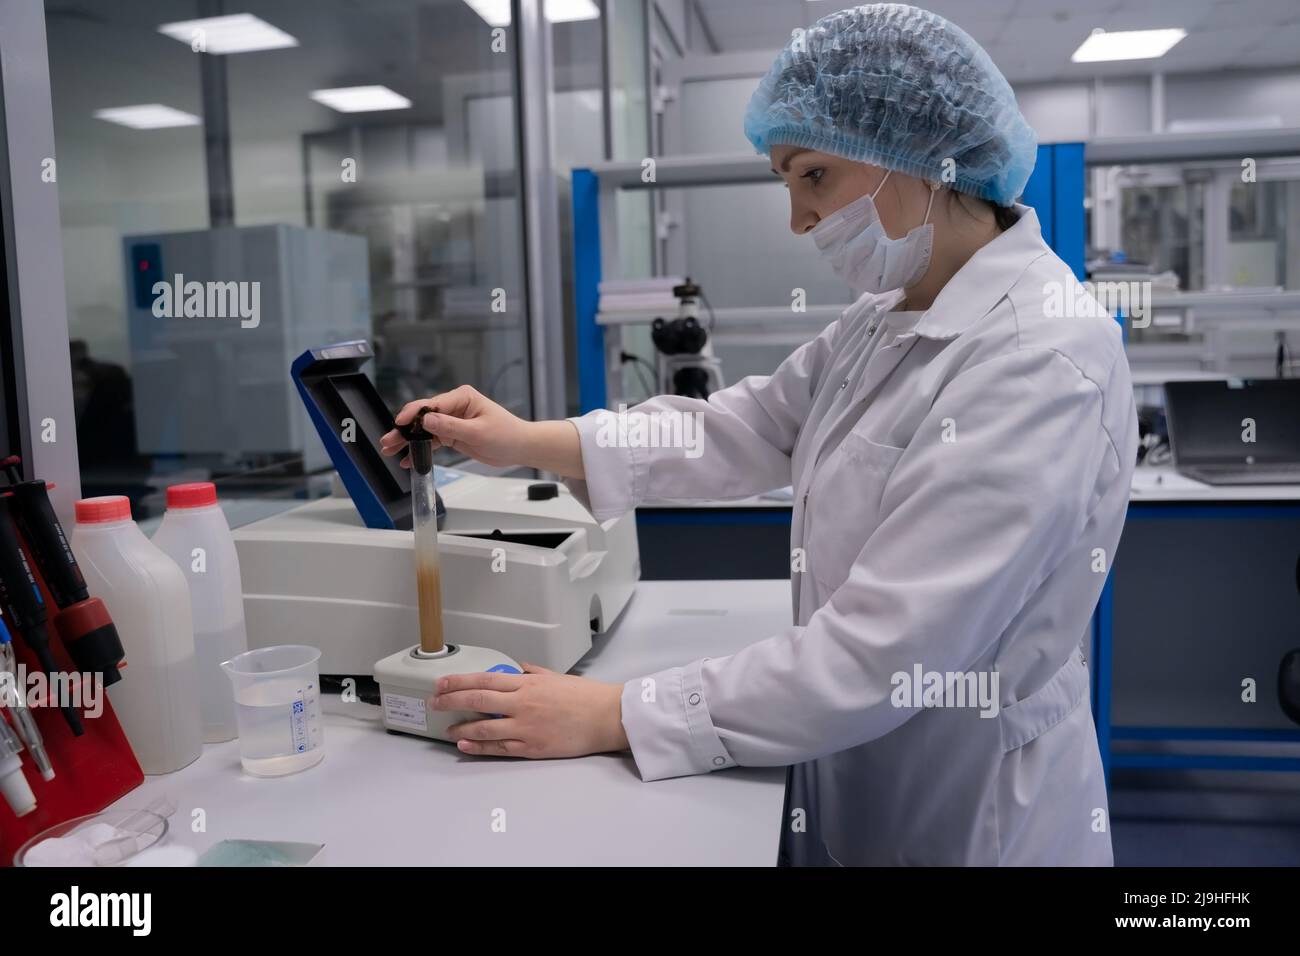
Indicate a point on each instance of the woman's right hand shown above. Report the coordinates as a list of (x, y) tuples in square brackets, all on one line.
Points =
[(467, 422)]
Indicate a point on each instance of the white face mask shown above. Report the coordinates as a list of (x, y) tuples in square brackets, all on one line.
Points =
[(855, 243)]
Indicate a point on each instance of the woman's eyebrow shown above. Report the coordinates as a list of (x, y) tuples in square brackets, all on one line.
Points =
[(785, 163)]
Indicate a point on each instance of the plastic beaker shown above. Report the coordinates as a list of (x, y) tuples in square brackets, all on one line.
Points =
[(277, 709)]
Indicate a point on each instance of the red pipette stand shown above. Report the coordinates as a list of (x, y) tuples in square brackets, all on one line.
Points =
[(90, 772)]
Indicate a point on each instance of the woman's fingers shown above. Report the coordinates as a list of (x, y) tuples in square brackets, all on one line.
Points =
[(485, 680), (455, 404), (503, 728), (455, 433), (408, 411), (493, 748), (391, 446), (483, 693), (477, 700)]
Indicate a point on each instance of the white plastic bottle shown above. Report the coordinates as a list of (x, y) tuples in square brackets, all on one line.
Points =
[(194, 533), (157, 700)]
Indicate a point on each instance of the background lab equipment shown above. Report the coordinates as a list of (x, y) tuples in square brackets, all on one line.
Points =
[(313, 286), (685, 363), (336, 573), (1208, 425)]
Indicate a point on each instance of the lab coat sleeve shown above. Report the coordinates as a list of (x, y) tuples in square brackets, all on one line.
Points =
[(969, 528), (670, 448)]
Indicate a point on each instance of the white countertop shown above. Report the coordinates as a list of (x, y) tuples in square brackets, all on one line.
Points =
[(1163, 483), (384, 799)]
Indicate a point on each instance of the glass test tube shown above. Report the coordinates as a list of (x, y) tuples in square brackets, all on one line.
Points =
[(428, 571)]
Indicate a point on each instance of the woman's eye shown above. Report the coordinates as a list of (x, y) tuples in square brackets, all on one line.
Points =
[(814, 174)]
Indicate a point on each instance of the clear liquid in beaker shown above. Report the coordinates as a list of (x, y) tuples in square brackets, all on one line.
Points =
[(279, 727)]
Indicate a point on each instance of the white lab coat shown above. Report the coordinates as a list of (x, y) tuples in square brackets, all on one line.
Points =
[(960, 483)]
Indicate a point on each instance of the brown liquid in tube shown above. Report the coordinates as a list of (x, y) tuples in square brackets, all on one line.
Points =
[(428, 578), (424, 522)]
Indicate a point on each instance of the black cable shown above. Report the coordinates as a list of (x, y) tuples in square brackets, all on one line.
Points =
[(625, 357), (712, 318)]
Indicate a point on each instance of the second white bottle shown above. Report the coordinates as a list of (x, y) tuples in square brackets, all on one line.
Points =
[(194, 533)]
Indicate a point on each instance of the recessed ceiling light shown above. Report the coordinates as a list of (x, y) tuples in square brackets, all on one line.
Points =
[(564, 11), (237, 33), (496, 13), (361, 99), (147, 116), (1127, 45)]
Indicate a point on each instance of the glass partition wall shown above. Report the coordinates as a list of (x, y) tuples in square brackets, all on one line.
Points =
[(317, 172)]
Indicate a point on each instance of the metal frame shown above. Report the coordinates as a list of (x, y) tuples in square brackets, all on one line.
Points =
[(534, 79), (34, 257)]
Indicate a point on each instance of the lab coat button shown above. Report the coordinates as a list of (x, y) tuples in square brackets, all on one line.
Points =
[(719, 761), (844, 384), (694, 699)]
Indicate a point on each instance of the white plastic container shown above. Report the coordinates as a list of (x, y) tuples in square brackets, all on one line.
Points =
[(194, 533), (157, 699)]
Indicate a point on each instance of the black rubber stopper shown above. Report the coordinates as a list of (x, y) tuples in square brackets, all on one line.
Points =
[(420, 442), (542, 491)]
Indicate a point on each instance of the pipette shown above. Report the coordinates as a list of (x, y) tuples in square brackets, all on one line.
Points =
[(23, 720), (17, 791), (23, 604), (81, 621)]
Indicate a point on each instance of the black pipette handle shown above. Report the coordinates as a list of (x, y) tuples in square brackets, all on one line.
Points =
[(40, 526), (23, 605)]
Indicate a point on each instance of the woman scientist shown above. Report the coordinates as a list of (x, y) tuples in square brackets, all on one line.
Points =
[(960, 455)]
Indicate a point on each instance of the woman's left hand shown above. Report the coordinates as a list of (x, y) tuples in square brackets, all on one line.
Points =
[(544, 714)]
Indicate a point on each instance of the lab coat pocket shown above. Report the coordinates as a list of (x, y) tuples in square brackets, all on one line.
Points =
[(1030, 718), (846, 505)]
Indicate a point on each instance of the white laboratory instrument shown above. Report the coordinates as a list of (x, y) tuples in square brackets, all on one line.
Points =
[(407, 681), (316, 575)]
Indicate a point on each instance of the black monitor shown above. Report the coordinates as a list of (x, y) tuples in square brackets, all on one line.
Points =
[(1209, 422)]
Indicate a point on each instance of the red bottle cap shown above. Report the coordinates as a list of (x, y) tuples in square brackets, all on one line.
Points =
[(194, 494), (107, 508)]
